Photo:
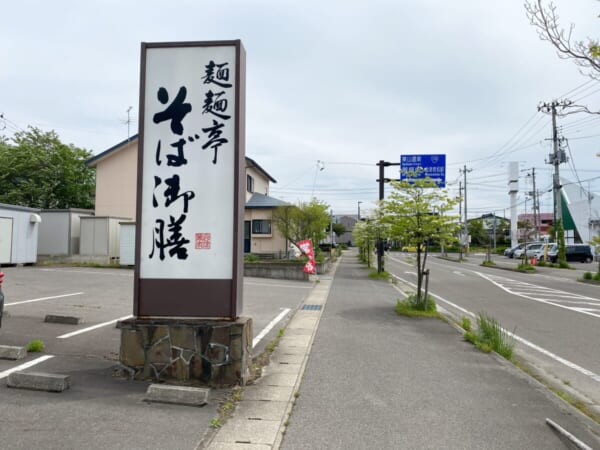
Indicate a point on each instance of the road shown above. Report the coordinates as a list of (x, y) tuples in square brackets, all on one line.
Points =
[(554, 318)]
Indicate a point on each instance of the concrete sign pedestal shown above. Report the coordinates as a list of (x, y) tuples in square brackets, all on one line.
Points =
[(196, 351)]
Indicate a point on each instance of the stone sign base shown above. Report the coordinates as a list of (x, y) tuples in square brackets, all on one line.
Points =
[(195, 351)]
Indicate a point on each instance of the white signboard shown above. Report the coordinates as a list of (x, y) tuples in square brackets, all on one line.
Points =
[(187, 212)]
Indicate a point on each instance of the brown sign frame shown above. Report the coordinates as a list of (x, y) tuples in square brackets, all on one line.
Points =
[(196, 298)]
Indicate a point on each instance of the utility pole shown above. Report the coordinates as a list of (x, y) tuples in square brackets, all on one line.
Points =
[(382, 180), (557, 156), (536, 207), (464, 172), (460, 216)]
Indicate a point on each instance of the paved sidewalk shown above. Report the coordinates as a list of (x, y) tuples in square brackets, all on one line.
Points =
[(356, 375)]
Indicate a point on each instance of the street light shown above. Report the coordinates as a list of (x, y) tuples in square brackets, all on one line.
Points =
[(359, 210)]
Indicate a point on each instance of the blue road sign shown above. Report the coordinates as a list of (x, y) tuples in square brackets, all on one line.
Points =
[(416, 167)]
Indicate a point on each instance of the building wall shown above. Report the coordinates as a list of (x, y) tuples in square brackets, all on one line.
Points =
[(265, 243), (116, 183), (261, 184)]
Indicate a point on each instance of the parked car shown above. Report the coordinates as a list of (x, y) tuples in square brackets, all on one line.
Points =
[(1, 297), (531, 249), (542, 255), (574, 253), (509, 252)]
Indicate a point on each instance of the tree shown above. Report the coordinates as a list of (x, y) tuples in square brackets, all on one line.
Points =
[(595, 242), (365, 235), (303, 221), (417, 214), (39, 171), (546, 21), (338, 229), (477, 231)]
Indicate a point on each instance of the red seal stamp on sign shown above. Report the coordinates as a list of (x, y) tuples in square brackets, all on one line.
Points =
[(202, 241)]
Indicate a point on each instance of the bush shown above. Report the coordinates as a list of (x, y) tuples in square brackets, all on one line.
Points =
[(563, 265), (596, 276), (587, 276), (251, 258)]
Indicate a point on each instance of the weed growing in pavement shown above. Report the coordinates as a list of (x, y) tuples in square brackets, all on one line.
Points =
[(215, 422), (490, 336), (465, 323), (35, 346), (413, 308), (379, 275), (280, 332)]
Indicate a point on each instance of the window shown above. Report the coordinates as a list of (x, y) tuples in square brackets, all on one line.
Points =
[(261, 227), (249, 184)]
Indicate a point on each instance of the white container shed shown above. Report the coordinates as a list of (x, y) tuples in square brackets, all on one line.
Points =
[(127, 246), (19, 228), (60, 231), (100, 238)]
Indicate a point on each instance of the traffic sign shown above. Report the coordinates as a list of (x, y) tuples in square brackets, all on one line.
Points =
[(418, 167)]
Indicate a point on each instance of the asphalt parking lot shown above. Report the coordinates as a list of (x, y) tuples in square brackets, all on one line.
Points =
[(101, 410)]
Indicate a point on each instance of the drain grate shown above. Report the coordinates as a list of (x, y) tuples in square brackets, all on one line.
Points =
[(312, 307)]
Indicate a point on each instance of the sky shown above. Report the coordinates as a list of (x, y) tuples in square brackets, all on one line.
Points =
[(333, 87)]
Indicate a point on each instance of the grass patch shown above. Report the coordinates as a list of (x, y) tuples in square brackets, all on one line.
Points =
[(490, 337), (525, 267), (413, 308), (374, 275), (488, 263), (35, 346), (465, 323)]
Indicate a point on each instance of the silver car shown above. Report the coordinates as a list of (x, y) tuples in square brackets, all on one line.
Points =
[(530, 249)]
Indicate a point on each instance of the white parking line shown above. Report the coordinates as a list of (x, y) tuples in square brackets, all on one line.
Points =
[(94, 327), (269, 327), (32, 363), (41, 299)]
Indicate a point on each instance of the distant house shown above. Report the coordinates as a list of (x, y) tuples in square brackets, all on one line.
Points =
[(116, 185), (348, 221)]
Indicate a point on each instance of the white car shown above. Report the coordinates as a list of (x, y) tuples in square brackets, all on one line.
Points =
[(542, 255), (531, 249)]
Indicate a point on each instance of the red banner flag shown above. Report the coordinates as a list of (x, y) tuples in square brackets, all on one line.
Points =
[(306, 247)]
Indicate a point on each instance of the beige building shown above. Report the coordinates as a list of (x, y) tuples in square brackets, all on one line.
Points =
[(116, 184)]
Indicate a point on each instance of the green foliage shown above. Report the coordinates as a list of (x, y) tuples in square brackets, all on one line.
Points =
[(488, 263), (479, 235), (303, 221), (251, 257), (465, 323), (560, 239), (215, 422), (414, 307), (379, 275), (365, 236), (339, 229), (35, 346), (525, 266), (417, 214), (39, 171), (563, 265), (596, 276), (587, 276), (491, 336)]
